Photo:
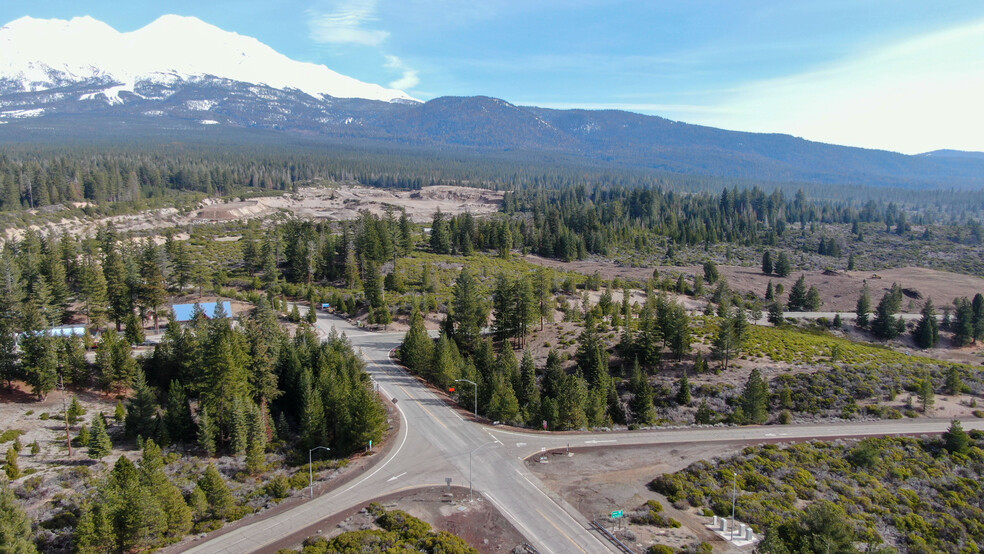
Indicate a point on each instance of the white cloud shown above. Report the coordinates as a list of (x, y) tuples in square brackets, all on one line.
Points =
[(913, 96), (349, 22), (408, 79), (345, 24)]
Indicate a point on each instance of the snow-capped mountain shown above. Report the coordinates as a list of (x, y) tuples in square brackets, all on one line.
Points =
[(38, 55), (180, 76)]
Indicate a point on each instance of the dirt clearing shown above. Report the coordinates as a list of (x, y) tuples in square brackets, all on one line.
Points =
[(342, 202), (600, 480), (839, 290)]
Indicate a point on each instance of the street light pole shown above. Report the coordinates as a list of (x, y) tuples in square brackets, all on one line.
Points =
[(476, 392), (734, 490), (310, 470), (470, 467)]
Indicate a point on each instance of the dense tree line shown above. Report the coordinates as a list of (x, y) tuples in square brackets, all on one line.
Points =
[(508, 389)]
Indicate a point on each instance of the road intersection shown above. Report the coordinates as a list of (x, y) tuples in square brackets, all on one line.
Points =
[(436, 441)]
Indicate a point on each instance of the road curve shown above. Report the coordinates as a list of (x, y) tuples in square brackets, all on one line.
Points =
[(435, 443)]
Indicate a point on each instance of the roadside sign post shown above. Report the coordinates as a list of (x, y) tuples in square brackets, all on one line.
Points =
[(616, 514)]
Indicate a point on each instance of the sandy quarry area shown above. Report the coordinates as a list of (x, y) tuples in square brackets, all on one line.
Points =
[(337, 203), (840, 290), (344, 202)]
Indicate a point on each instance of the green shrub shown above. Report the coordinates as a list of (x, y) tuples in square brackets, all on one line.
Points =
[(10, 434), (278, 487)]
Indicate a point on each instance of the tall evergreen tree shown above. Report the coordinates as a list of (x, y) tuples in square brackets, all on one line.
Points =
[(100, 444), (755, 398), (469, 312), (885, 325), (863, 308), (782, 267), (178, 419), (798, 295), (927, 332), (15, 527), (767, 263)]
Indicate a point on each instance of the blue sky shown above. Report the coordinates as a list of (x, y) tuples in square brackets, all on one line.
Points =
[(905, 75)]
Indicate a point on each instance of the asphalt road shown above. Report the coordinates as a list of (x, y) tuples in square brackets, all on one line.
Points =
[(435, 443)]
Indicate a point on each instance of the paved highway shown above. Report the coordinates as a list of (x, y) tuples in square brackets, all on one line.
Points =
[(435, 443)]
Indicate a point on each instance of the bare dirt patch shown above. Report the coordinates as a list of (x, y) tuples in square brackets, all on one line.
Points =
[(600, 480), (341, 202), (839, 290), (345, 202)]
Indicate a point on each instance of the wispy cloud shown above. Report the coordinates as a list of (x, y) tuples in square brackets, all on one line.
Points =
[(911, 96), (408, 79), (354, 22), (349, 22)]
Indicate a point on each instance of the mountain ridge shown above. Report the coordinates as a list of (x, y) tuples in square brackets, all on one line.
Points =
[(188, 96), (103, 54)]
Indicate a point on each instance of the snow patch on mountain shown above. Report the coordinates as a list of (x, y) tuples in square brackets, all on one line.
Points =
[(167, 51)]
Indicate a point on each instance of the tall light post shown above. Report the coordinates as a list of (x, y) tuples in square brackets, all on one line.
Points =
[(734, 490), (470, 467), (310, 470), (476, 392)]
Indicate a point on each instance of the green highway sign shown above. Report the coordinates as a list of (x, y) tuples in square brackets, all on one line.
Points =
[(617, 514)]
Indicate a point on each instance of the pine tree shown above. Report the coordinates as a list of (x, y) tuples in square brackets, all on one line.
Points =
[(117, 288), (767, 263), (885, 325), (134, 333), (782, 267), (141, 410), (503, 406), (641, 405), (571, 399), (440, 239), (208, 433), (99, 443), (446, 364), (927, 332), (178, 419), (468, 312), (592, 355), (955, 439), (711, 273), (92, 292), (705, 415), (797, 295), (11, 467), (75, 411), (683, 390), (776, 314), (15, 527), (255, 440), (977, 305), (927, 396), (954, 384), (528, 393), (217, 494), (755, 398), (39, 363), (863, 307), (177, 513), (813, 300), (238, 429), (963, 322), (770, 293), (417, 349)]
